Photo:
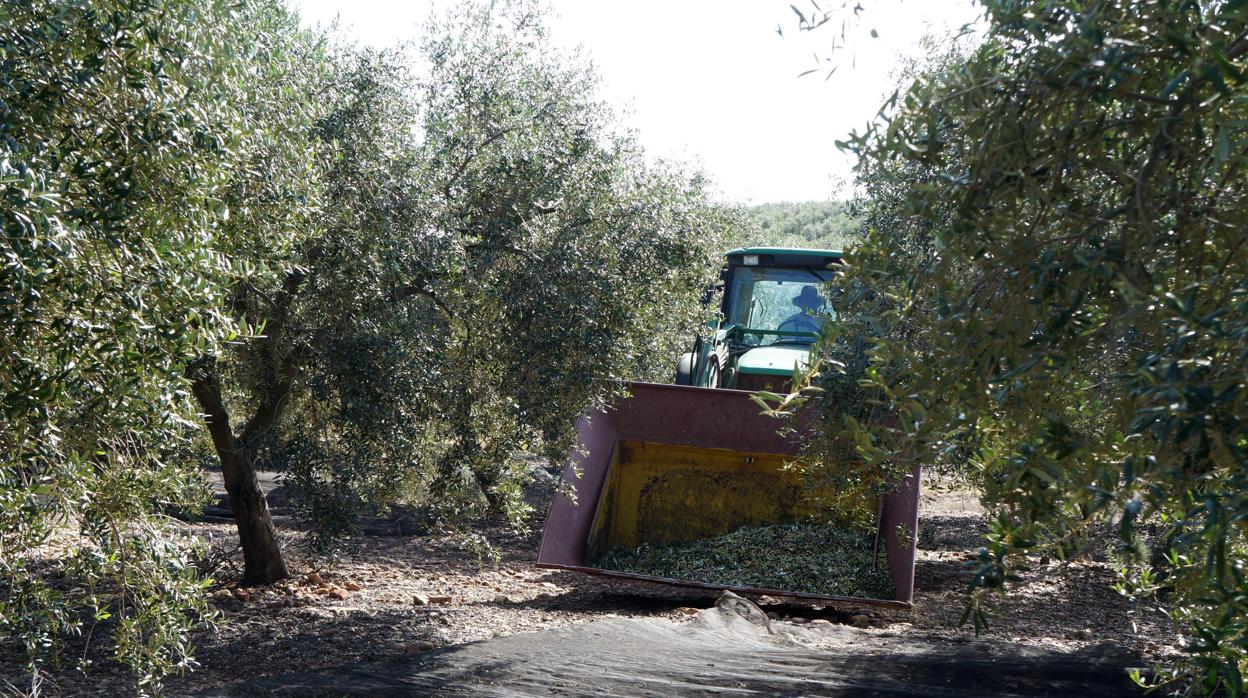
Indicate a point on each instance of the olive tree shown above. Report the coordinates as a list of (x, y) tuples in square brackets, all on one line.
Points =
[(1051, 298), (215, 220), (572, 264), (491, 255), (276, 203), (122, 130)]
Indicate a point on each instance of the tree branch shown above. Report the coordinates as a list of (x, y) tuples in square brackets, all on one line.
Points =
[(408, 291), (206, 387), (489, 140), (274, 387)]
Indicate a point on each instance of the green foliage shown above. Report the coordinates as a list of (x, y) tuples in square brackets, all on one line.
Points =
[(474, 288), (399, 283), (1051, 297), (817, 224), (119, 136)]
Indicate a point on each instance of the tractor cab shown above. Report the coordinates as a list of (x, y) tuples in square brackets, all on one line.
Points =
[(772, 311)]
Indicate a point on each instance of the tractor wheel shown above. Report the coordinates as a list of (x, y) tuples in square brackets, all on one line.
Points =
[(684, 370)]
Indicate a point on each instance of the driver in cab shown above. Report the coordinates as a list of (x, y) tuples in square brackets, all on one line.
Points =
[(804, 320)]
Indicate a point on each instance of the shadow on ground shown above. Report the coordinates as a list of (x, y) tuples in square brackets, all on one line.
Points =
[(718, 652)]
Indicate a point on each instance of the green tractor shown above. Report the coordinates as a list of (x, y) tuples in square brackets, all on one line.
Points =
[(771, 313)]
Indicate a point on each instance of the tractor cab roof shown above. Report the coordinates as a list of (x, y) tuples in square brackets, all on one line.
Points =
[(784, 257)]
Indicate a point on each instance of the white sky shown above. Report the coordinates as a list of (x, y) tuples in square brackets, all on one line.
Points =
[(710, 81)]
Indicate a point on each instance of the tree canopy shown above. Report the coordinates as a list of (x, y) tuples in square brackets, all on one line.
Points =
[(520, 243), (229, 238), (1050, 300), (122, 126)]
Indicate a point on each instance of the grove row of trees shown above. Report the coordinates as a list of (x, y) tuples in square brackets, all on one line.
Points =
[(228, 238), (818, 224), (1051, 301)]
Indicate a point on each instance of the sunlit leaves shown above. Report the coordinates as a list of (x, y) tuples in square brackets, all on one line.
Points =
[(473, 289), (1054, 268), (122, 127)]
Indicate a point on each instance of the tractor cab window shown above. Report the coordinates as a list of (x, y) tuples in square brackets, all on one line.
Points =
[(778, 301)]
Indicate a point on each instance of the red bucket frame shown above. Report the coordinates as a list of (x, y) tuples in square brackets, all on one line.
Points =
[(700, 417)]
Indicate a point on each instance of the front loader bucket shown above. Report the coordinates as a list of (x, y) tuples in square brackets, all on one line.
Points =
[(675, 463)]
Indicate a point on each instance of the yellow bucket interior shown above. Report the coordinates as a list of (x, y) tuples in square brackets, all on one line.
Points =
[(659, 493)]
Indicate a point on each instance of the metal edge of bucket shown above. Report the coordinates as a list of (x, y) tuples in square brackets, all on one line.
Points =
[(594, 429), (901, 510), (664, 413), (758, 591)]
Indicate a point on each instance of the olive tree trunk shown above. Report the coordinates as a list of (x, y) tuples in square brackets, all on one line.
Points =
[(262, 556)]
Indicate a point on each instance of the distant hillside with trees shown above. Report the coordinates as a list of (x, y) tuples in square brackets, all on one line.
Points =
[(800, 224)]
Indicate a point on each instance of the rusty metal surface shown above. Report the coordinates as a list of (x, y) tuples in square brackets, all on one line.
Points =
[(688, 416), (700, 418), (668, 414)]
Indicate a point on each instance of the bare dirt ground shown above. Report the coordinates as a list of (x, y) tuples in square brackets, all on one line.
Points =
[(390, 596)]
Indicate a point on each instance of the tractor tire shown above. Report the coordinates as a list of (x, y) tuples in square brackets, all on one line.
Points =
[(684, 369)]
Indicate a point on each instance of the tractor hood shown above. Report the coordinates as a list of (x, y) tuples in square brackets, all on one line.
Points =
[(775, 360)]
